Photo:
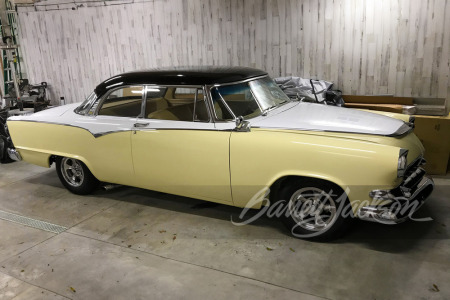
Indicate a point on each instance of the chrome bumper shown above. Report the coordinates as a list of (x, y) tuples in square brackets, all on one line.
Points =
[(14, 155), (401, 207)]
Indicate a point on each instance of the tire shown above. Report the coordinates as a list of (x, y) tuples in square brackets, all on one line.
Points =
[(75, 176), (5, 139), (314, 209), (4, 157)]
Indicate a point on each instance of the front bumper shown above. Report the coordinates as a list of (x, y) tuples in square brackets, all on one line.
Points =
[(14, 155), (403, 200)]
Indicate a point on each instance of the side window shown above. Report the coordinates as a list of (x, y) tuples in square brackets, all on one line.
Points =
[(239, 99), (176, 104), (123, 102)]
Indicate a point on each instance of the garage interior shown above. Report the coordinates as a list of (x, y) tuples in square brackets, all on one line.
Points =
[(124, 242)]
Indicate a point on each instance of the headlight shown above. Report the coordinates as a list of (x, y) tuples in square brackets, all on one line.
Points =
[(401, 166)]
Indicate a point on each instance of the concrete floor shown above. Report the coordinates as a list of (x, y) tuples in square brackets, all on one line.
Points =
[(136, 244)]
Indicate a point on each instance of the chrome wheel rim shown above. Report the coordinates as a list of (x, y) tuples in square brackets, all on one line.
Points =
[(312, 209), (72, 171)]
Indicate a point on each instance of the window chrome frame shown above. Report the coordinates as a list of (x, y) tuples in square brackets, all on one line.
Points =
[(144, 104), (210, 87), (90, 104), (206, 94), (102, 99)]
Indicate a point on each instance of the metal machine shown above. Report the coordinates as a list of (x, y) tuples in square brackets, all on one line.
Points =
[(18, 96)]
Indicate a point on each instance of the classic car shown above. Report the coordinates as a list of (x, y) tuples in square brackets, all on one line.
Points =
[(226, 134)]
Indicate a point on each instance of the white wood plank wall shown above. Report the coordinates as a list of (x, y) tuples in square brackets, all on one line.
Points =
[(398, 47)]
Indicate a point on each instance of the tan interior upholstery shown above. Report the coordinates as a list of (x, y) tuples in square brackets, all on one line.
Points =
[(126, 108), (163, 114), (181, 112), (155, 104)]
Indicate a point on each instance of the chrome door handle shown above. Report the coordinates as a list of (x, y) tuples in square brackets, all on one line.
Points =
[(140, 124)]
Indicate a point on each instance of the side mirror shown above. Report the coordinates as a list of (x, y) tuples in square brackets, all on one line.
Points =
[(242, 125)]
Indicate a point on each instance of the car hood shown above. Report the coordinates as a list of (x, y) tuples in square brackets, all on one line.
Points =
[(319, 117)]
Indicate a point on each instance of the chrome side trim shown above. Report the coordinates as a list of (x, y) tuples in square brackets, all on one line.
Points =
[(256, 127), (14, 155), (191, 129), (319, 130), (96, 135), (294, 129), (100, 134)]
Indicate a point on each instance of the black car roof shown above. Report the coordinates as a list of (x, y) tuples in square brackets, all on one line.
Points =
[(205, 75)]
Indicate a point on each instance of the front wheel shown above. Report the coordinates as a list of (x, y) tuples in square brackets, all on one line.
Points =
[(314, 209), (75, 176)]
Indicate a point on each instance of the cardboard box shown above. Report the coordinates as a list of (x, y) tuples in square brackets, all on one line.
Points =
[(434, 133), (378, 99), (396, 108)]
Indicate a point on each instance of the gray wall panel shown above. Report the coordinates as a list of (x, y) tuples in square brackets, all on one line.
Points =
[(369, 47)]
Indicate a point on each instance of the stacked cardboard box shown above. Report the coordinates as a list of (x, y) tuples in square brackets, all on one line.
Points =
[(433, 131), (399, 105)]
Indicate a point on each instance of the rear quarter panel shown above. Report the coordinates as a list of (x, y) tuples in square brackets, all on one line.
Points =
[(108, 157)]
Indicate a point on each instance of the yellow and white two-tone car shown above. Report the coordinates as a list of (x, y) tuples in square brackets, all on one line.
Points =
[(231, 136)]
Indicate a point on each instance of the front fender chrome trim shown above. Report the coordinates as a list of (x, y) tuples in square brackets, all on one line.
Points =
[(395, 134), (191, 129)]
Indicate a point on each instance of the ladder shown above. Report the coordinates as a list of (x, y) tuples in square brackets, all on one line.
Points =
[(10, 62)]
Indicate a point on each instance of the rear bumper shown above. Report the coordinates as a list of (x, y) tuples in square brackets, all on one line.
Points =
[(14, 155)]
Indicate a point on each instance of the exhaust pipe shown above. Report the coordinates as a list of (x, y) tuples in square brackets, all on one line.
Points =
[(108, 187)]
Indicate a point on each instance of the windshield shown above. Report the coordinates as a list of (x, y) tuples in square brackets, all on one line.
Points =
[(83, 109), (248, 99), (268, 93)]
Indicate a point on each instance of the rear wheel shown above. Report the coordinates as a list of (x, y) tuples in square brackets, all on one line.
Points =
[(314, 209), (75, 176)]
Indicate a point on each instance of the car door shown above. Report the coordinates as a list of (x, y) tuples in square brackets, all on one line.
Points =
[(176, 148), (111, 120)]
